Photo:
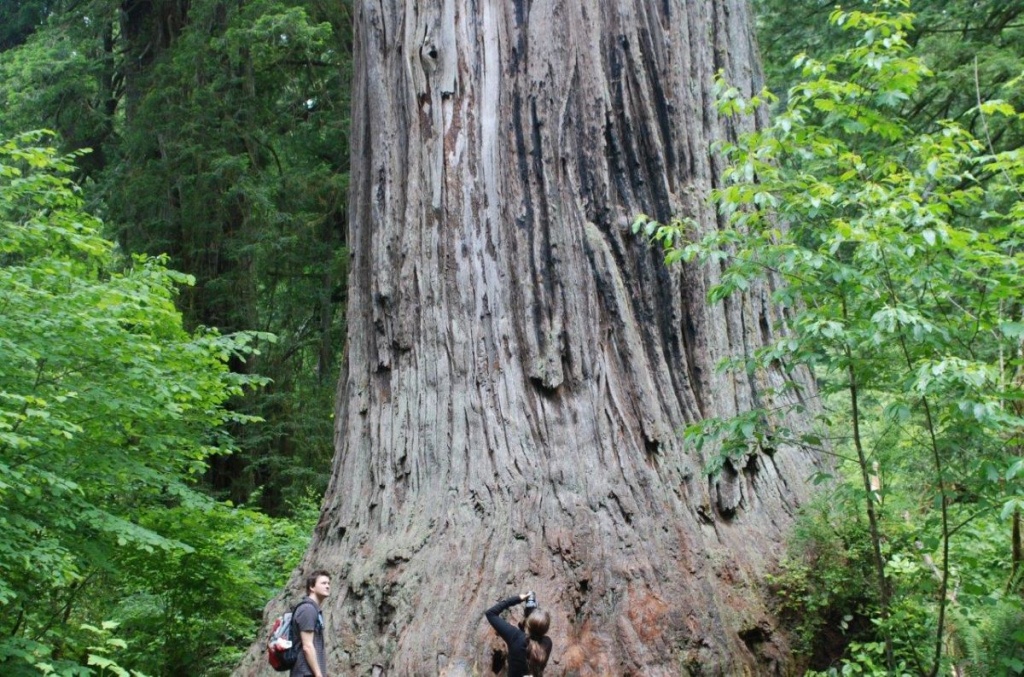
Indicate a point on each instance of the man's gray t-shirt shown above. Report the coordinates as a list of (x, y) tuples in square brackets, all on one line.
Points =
[(307, 618)]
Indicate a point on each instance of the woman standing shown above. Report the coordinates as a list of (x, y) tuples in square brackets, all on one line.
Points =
[(528, 651)]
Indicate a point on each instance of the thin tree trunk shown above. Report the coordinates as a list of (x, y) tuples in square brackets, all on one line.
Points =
[(1017, 552), (520, 366)]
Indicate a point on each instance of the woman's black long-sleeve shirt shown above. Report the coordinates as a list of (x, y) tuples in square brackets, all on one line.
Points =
[(515, 638)]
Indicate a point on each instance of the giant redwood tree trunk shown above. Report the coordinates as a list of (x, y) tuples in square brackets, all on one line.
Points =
[(519, 365)]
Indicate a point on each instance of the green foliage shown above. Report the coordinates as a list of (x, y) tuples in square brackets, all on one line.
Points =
[(823, 589), (197, 611), (234, 163), (104, 646), (19, 18), (993, 643), (64, 77), (974, 47), (899, 249), (109, 412), (219, 138)]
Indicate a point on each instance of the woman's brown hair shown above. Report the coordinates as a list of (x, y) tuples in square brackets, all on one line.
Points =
[(537, 650)]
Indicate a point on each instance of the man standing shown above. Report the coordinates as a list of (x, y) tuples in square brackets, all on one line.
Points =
[(312, 660)]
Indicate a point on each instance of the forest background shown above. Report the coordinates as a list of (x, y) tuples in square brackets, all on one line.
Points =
[(173, 300)]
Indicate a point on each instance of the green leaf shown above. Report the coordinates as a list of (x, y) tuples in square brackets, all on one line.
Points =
[(1014, 330)]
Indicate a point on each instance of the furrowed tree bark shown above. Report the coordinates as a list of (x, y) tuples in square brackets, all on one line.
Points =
[(520, 365)]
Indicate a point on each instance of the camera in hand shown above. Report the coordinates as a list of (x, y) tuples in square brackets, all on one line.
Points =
[(531, 604)]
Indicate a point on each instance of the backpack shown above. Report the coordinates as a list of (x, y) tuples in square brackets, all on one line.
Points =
[(285, 644)]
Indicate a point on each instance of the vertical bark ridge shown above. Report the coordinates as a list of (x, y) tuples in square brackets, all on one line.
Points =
[(519, 365)]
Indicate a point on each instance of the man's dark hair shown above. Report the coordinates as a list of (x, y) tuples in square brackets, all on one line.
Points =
[(311, 578)]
